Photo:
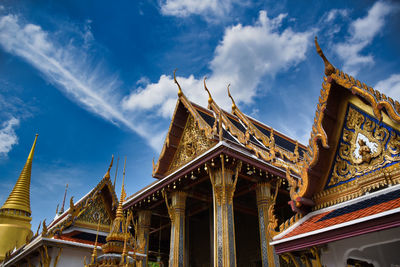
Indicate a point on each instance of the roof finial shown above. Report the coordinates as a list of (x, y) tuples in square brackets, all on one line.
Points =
[(94, 254), (63, 203), (124, 251), (210, 100), (107, 175), (19, 198), (116, 172), (180, 93), (123, 194), (233, 101), (329, 68)]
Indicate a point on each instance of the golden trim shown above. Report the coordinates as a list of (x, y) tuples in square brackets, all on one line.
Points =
[(358, 187)]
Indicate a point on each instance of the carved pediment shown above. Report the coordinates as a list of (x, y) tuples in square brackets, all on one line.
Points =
[(366, 145), (193, 143), (90, 215)]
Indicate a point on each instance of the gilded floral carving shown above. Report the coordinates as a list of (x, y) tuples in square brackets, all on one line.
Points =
[(193, 143), (366, 145)]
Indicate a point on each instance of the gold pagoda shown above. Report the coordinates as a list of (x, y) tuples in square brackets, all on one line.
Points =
[(15, 214)]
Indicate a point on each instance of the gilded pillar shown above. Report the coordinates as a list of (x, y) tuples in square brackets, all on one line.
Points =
[(223, 182), (264, 201), (143, 226), (176, 211)]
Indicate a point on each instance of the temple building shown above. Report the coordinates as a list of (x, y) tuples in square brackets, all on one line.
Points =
[(231, 191)]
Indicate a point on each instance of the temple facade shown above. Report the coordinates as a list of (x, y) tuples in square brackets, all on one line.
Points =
[(232, 191)]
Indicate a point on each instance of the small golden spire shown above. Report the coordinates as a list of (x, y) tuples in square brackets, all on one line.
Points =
[(210, 100), (19, 198), (123, 195), (63, 203), (233, 101), (180, 93), (94, 253), (116, 172), (329, 68), (124, 252), (107, 175)]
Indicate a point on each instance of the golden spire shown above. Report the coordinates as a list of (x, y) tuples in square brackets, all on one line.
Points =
[(180, 93), (329, 68), (123, 194), (63, 203), (19, 199), (107, 175), (94, 254)]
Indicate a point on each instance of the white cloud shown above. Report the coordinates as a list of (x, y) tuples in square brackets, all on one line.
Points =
[(70, 69), (245, 56), (183, 8), (334, 13), (362, 32), (390, 86), (8, 138)]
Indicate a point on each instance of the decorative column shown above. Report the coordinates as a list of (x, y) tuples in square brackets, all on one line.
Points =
[(176, 211), (265, 200), (223, 181), (143, 227)]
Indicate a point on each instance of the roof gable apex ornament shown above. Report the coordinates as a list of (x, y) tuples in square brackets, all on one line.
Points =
[(210, 99), (107, 175), (180, 93), (233, 101), (329, 68)]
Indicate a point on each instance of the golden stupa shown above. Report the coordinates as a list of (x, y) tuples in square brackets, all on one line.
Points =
[(15, 214)]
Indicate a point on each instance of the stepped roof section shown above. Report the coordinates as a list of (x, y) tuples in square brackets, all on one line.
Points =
[(234, 128)]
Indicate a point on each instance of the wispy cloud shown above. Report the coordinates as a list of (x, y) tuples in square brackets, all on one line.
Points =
[(334, 13), (69, 68), (361, 33), (390, 86), (8, 137), (245, 56), (183, 8)]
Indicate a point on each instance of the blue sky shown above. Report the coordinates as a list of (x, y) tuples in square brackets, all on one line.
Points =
[(94, 79)]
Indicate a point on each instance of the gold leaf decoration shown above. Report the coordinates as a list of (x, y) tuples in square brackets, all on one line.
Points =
[(366, 145), (192, 144)]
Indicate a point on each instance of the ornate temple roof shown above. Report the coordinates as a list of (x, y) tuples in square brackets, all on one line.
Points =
[(235, 128), (340, 90), (104, 190)]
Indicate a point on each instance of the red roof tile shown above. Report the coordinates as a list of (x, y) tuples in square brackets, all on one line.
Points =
[(317, 222)]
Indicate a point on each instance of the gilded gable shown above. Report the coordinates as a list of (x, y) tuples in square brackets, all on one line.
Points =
[(193, 143), (366, 145), (89, 217)]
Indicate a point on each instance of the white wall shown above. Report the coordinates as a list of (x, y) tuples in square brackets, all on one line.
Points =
[(380, 248)]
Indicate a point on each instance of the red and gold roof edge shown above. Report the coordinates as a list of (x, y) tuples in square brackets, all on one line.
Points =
[(358, 187)]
